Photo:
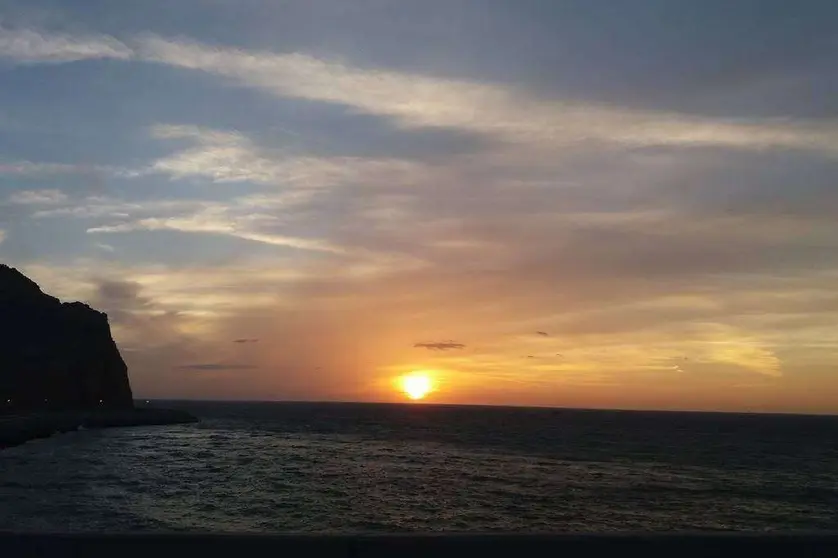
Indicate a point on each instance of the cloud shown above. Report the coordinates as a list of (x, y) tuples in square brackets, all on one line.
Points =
[(627, 334), (577, 218), (2, 236), (204, 291), (38, 197), (219, 156), (223, 156), (243, 217), (119, 292), (241, 341), (542, 333), (214, 367), (122, 300), (229, 156), (440, 346), (31, 46), (593, 273), (78, 179), (216, 221), (99, 207), (29, 168), (415, 100)]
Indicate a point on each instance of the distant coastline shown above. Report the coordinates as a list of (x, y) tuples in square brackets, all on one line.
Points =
[(19, 429)]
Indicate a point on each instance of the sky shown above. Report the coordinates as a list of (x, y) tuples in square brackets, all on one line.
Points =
[(578, 203)]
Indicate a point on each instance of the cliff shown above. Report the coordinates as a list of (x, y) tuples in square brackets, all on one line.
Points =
[(54, 355)]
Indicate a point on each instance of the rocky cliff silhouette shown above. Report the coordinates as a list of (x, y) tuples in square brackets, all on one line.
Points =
[(54, 355)]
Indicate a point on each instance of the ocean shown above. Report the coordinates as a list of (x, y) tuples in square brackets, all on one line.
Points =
[(370, 468)]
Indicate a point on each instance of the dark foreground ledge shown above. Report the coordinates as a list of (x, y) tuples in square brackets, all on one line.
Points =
[(16, 430), (407, 546)]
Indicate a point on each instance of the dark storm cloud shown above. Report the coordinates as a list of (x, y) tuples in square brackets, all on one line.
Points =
[(440, 346), (214, 366)]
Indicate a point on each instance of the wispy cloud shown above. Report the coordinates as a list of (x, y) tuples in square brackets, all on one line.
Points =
[(420, 101), (416, 100), (217, 221), (228, 156), (29, 168), (98, 207), (32, 46), (38, 197), (2, 236), (254, 218)]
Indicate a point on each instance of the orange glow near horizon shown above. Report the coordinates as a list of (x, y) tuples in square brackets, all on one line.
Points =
[(416, 385)]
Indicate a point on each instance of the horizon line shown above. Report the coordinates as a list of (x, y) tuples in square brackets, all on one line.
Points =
[(492, 405)]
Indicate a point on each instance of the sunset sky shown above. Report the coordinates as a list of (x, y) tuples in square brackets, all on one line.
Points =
[(587, 203)]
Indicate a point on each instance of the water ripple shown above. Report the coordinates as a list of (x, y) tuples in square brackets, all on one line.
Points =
[(237, 475)]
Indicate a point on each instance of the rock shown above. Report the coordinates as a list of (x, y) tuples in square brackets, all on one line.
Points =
[(54, 355), (60, 369)]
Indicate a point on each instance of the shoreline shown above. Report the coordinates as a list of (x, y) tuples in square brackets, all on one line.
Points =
[(19, 429)]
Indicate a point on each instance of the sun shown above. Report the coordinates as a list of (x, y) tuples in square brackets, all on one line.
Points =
[(416, 385)]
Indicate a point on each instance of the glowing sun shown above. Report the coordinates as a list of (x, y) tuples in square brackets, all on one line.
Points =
[(416, 385)]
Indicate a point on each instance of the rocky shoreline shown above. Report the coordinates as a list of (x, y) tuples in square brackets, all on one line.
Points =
[(18, 429)]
